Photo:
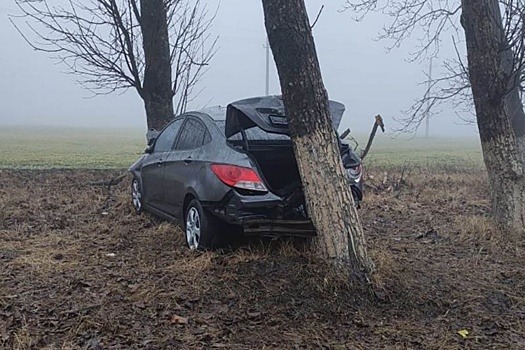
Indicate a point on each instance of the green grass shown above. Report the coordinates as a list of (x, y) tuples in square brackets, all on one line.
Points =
[(400, 151), (44, 148)]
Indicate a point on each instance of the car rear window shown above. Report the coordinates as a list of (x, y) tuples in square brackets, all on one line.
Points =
[(254, 134), (258, 134)]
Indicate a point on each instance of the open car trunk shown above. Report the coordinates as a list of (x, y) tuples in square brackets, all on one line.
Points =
[(276, 163), (259, 127)]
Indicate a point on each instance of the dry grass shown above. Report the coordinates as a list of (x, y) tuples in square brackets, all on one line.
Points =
[(80, 270)]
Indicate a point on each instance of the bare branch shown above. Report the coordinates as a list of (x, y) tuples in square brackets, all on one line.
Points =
[(318, 16), (429, 20), (426, 19), (101, 41)]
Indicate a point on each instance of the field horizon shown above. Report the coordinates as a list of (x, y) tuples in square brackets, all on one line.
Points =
[(52, 147)]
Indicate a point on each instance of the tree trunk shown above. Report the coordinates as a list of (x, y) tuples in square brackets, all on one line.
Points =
[(156, 92), (327, 190), (499, 110)]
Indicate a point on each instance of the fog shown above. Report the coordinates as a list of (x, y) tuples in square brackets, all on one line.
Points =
[(357, 71)]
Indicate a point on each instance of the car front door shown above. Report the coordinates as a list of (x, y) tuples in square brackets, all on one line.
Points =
[(154, 165), (183, 164)]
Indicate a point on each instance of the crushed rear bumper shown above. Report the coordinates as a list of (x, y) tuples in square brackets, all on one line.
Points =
[(268, 214), (264, 215), (273, 228)]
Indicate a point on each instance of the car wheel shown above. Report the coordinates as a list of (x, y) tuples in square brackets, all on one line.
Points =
[(200, 227), (136, 195)]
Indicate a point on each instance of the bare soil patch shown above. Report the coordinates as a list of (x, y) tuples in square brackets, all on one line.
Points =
[(79, 270)]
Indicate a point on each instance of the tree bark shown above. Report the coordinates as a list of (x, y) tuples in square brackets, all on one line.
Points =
[(499, 110), (327, 190), (156, 92)]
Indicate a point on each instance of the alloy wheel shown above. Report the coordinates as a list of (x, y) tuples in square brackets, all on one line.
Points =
[(136, 196), (193, 228)]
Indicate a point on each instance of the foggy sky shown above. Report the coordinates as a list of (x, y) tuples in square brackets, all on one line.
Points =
[(356, 69)]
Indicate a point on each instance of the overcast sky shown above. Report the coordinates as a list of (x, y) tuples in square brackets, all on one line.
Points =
[(356, 69)]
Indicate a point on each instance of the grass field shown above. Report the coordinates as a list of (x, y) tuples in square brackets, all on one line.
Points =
[(43, 148), (455, 152), (46, 147), (79, 269)]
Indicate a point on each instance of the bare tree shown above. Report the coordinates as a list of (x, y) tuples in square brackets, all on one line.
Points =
[(158, 47), (433, 22), (493, 73), (327, 191), (492, 77)]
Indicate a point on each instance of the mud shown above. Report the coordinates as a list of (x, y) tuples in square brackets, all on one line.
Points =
[(80, 270)]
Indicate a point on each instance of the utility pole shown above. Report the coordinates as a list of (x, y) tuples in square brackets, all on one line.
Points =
[(427, 117), (267, 68)]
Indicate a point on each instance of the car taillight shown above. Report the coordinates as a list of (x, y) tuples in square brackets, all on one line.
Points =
[(239, 177), (355, 172)]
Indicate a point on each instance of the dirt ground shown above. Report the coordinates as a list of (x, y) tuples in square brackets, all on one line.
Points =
[(79, 270)]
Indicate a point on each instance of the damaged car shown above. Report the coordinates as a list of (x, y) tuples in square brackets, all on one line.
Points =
[(229, 170)]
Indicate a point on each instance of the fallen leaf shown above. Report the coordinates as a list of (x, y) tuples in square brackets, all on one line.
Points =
[(140, 305), (254, 314), (179, 319), (206, 316), (464, 333), (4, 334)]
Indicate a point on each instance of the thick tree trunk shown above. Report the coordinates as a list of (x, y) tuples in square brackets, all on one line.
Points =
[(499, 111), (156, 92), (328, 195)]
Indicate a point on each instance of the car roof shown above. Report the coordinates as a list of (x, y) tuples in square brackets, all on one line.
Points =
[(216, 113)]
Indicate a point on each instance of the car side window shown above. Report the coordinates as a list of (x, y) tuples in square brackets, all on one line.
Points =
[(194, 134), (166, 139)]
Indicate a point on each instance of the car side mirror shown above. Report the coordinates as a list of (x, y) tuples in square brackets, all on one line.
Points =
[(149, 149)]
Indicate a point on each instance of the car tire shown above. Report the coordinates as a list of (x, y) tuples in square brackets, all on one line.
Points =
[(136, 195), (200, 227)]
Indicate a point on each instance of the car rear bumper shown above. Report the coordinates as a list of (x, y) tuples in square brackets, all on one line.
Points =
[(268, 214), (273, 228), (263, 215)]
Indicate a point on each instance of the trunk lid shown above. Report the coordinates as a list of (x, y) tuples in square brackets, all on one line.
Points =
[(268, 114)]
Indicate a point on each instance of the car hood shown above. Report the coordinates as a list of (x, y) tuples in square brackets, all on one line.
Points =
[(268, 114)]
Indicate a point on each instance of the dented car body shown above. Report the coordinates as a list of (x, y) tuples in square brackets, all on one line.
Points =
[(227, 169)]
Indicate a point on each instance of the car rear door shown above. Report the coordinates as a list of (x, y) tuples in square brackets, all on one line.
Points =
[(154, 165), (184, 162)]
